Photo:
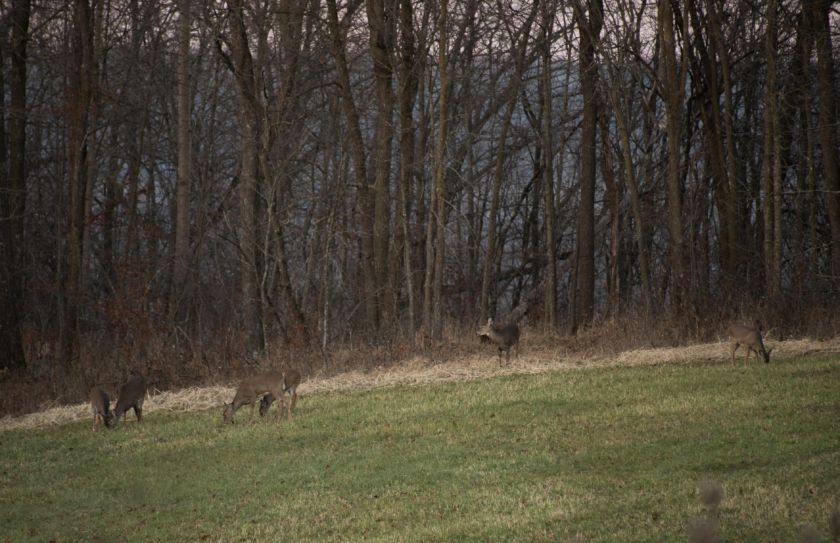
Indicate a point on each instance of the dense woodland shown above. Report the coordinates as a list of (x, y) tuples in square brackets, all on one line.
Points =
[(246, 175)]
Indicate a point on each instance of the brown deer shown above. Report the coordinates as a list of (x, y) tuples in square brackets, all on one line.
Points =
[(132, 394), (504, 337), (100, 405), (289, 387), (749, 337), (274, 383)]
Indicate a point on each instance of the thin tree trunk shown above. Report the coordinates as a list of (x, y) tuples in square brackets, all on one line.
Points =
[(78, 107), (724, 145), (13, 195), (548, 168), (180, 266), (820, 10), (613, 201), (381, 20), (490, 258), (357, 155), (639, 219), (674, 78), (589, 25), (408, 84), (243, 68), (440, 174), (770, 159)]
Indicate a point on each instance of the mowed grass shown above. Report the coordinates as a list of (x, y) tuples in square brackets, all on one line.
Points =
[(586, 455)]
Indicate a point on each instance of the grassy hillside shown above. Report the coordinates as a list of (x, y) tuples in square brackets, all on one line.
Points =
[(611, 454)]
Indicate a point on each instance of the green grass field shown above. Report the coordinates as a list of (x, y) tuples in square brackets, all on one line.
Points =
[(585, 455)]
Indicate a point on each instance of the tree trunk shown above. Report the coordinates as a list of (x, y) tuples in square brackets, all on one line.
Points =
[(548, 10), (589, 25), (180, 266), (639, 219), (820, 10), (613, 201), (721, 135), (243, 68), (381, 21), (408, 84), (440, 174), (357, 155), (490, 258), (13, 195), (770, 158), (674, 78), (78, 107)]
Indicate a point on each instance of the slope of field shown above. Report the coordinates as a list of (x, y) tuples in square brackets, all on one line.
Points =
[(611, 453), (421, 370)]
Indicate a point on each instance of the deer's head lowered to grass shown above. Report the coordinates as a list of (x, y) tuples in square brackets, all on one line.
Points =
[(750, 337), (270, 385)]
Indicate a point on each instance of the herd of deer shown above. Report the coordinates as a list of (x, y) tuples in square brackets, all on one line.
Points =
[(267, 387), (506, 337), (275, 385)]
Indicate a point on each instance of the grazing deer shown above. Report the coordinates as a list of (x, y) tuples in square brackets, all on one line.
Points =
[(289, 387), (132, 394), (275, 383), (504, 337), (750, 337), (100, 405)]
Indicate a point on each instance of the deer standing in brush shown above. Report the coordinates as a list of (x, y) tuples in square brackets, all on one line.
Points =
[(271, 383), (100, 405), (749, 337), (132, 394), (504, 337)]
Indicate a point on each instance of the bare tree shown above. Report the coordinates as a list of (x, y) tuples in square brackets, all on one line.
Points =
[(381, 16), (241, 64), (589, 24), (548, 8), (440, 174), (673, 90), (13, 193), (180, 265), (510, 99), (78, 108), (408, 75), (358, 157), (819, 13)]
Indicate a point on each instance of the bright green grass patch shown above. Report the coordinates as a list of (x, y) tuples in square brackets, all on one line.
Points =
[(587, 455)]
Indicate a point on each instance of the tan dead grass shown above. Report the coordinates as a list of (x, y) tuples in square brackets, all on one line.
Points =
[(420, 370)]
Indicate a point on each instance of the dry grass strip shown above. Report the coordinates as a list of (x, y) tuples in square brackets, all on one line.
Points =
[(421, 370)]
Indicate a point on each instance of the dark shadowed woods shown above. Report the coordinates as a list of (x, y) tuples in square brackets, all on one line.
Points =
[(189, 188)]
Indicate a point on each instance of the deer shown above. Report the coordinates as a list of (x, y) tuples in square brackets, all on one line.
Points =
[(270, 383), (289, 387), (503, 336), (749, 337), (100, 405), (132, 394)]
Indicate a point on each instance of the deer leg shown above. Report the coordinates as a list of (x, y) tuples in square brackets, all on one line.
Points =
[(288, 404), (293, 401), (733, 346), (138, 412), (278, 396)]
